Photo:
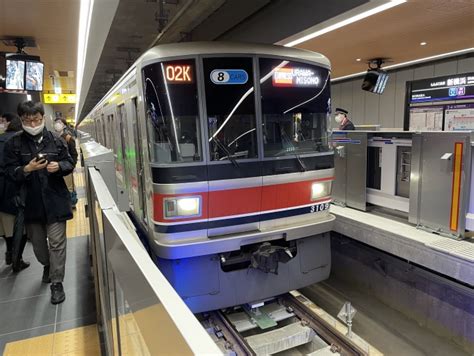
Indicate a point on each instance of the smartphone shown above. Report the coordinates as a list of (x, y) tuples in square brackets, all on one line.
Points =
[(40, 157)]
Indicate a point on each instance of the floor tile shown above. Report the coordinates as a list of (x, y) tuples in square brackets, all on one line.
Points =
[(26, 313), (22, 335), (21, 286), (79, 303), (75, 323)]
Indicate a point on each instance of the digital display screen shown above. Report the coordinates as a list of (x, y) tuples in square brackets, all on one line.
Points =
[(179, 74), (15, 78), (34, 76), (375, 81), (295, 77)]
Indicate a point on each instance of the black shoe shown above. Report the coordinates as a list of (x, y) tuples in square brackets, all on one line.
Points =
[(8, 257), (57, 293), (46, 278), (17, 267)]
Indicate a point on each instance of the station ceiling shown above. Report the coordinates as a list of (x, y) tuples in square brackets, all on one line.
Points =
[(54, 26), (136, 25)]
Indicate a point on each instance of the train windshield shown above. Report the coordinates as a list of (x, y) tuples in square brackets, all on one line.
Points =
[(230, 105), (295, 107), (173, 124)]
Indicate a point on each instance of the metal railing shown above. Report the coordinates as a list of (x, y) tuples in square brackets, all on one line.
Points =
[(139, 313)]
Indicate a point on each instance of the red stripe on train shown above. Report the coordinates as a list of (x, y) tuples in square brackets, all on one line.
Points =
[(242, 201)]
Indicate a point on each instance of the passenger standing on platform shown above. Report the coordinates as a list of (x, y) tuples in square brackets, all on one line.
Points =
[(60, 126), (10, 124), (343, 121), (39, 159)]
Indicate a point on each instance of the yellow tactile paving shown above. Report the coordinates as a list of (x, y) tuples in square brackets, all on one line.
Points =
[(79, 178), (78, 341), (41, 345), (79, 225)]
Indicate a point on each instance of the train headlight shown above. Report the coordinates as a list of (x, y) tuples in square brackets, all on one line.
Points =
[(182, 207), (320, 190)]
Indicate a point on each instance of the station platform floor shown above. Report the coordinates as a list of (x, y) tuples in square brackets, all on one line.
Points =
[(29, 323)]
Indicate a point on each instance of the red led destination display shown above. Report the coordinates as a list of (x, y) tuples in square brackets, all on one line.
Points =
[(179, 73)]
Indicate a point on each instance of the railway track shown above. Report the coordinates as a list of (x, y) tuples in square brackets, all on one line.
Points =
[(286, 325)]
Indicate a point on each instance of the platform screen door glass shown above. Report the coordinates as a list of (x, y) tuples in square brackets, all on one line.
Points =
[(295, 107), (172, 111), (230, 105)]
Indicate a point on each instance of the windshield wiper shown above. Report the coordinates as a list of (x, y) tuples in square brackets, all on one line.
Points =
[(226, 151), (302, 165)]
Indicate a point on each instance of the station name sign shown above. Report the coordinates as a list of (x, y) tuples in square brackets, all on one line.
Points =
[(453, 87)]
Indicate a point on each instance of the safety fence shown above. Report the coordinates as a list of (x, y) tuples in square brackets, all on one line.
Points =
[(139, 313)]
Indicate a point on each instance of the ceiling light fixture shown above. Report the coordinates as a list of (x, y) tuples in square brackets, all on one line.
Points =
[(358, 59), (85, 16), (326, 27), (415, 61), (422, 43)]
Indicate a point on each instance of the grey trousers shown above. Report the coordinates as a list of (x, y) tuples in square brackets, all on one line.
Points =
[(55, 256)]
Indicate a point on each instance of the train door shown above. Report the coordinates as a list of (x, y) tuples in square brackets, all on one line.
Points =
[(121, 152), (139, 162), (234, 169)]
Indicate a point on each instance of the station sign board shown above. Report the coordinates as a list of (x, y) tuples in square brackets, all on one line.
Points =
[(453, 87), (59, 98)]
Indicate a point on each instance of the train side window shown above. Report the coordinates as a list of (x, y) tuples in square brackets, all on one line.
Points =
[(172, 111), (295, 107), (230, 105)]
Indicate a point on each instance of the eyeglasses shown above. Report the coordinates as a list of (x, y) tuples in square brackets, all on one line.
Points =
[(31, 120)]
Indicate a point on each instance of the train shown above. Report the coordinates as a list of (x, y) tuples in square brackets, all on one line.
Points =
[(224, 152)]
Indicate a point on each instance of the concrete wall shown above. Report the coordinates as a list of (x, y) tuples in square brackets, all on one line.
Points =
[(387, 109)]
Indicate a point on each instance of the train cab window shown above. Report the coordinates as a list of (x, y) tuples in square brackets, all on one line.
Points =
[(172, 111), (230, 105), (295, 107)]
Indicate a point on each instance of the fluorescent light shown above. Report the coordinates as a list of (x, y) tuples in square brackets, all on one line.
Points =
[(415, 61), (345, 22), (422, 43), (85, 15)]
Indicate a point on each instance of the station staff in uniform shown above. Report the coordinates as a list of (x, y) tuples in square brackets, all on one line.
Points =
[(39, 159), (343, 121)]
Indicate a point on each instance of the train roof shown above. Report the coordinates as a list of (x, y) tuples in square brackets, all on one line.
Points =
[(210, 48)]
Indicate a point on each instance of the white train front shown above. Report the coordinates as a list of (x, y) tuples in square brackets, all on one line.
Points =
[(223, 150)]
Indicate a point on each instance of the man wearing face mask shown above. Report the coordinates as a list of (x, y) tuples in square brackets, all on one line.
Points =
[(60, 126), (342, 120), (39, 159)]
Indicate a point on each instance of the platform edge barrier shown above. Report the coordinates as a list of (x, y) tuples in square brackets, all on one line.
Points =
[(131, 289)]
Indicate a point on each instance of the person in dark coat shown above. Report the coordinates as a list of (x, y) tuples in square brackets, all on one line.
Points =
[(10, 125), (39, 159), (343, 121), (61, 128)]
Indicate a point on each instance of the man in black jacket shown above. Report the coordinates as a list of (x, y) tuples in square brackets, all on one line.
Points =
[(40, 159)]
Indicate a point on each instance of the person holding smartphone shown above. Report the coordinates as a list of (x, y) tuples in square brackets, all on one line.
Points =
[(39, 159)]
